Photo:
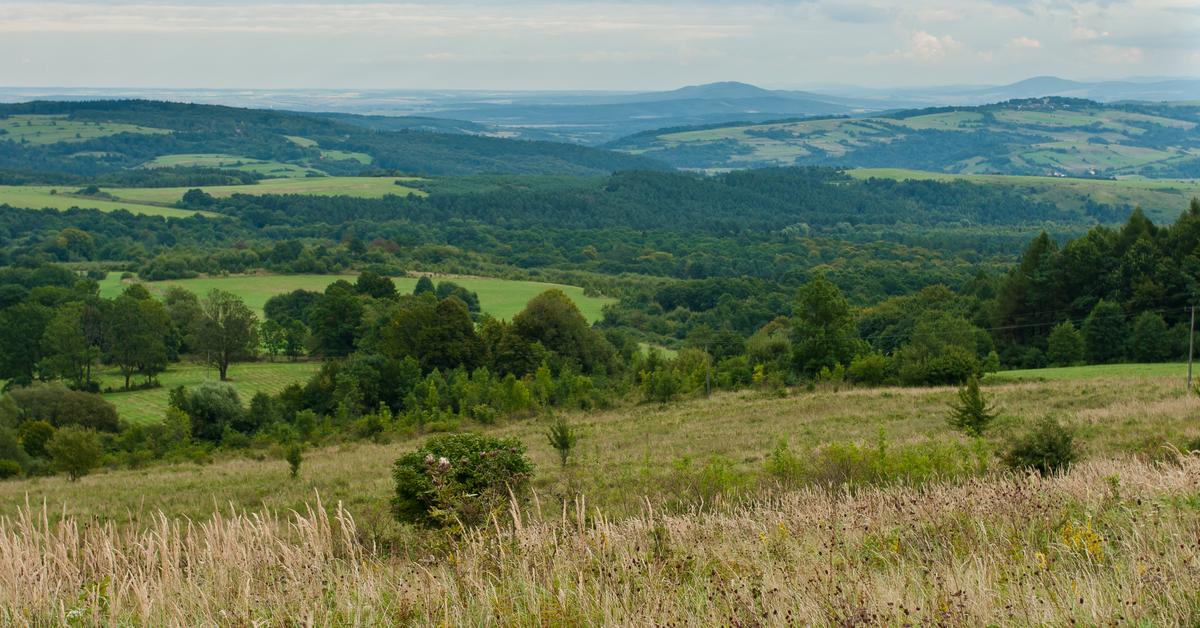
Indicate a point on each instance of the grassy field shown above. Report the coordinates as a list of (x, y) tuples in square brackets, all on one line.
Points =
[(666, 515), (1095, 371), (363, 187), (40, 197), (39, 129), (146, 406), (501, 298), (233, 162), (646, 451), (157, 201)]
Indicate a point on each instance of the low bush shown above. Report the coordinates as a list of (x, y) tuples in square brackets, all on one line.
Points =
[(1048, 449), (459, 479), (836, 464)]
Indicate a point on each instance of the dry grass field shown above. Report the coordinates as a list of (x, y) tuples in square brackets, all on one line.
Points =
[(666, 515)]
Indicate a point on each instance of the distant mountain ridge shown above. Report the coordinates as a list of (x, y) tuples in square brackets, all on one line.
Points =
[(598, 117), (89, 138), (1049, 136)]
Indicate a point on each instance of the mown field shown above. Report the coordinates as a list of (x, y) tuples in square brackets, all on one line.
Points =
[(268, 168), (43, 129), (159, 201), (147, 406), (361, 187), (61, 198), (501, 298), (666, 515)]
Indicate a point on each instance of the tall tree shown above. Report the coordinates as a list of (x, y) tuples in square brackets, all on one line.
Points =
[(1104, 333), (1065, 346), (552, 319), (335, 320), (1149, 341), (22, 328), (69, 353), (823, 328), (137, 331), (225, 331)]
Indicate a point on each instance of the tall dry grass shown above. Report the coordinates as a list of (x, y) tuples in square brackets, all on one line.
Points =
[(1114, 541)]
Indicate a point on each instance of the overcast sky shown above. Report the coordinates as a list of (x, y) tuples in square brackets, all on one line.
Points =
[(580, 44)]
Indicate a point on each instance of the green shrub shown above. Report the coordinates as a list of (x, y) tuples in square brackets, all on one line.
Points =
[(786, 466), (294, 457), (212, 406), (1049, 448), (74, 450), (9, 469), (59, 406), (562, 438), (870, 369), (836, 464), (972, 413), (34, 436), (459, 479), (663, 385)]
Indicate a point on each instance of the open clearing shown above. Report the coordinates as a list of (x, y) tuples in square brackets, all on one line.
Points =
[(147, 406), (665, 515), (501, 298), (59, 197), (233, 162), (362, 187), (39, 129), (1094, 371), (158, 201)]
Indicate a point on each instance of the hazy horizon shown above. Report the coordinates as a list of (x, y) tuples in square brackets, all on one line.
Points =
[(574, 45)]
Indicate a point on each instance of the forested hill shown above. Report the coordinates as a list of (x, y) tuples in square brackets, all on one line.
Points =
[(1043, 136), (98, 137)]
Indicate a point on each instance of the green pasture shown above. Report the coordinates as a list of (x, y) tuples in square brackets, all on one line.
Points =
[(60, 198), (501, 298), (146, 406), (233, 162), (40, 129), (1095, 371), (362, 187)]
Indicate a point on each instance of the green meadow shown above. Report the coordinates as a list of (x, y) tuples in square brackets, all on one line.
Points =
[(146, 406), (40, 129), (52, 197), (1095, 371), (233, 162), (501, 298), (158, 201), (362, 187)]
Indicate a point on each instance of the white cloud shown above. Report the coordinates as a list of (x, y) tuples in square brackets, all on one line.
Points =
[(927, 47), (1083, 33), (1024, 42)]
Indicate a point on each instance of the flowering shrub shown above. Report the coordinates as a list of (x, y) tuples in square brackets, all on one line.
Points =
[(459, 479)]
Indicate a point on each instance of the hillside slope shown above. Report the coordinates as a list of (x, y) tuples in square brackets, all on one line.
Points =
[(1046, 136), (90, 138)]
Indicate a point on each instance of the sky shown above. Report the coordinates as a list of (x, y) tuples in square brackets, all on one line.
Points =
[(581, 44)]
